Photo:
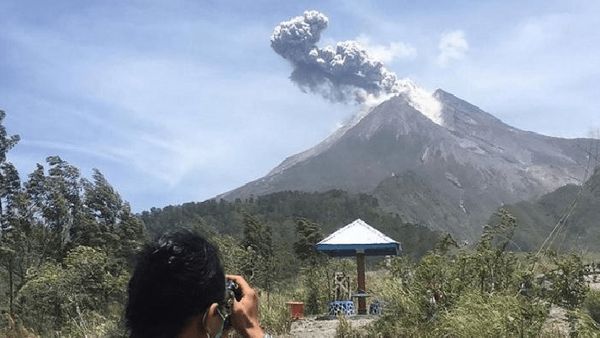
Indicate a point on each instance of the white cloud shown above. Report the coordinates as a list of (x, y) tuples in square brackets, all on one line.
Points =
[(453, 46), (389, 53)]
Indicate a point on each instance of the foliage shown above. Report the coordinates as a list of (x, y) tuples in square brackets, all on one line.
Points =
[(85, 284), (592, 305), (274, 314), (317, 282), (280, 211), (66, 247), (579, 232), (484, 291), (568, 281), (404, 312), (308, 235), (234, 257), (258, 244), (492, 315), (581, 324), (345, 329)]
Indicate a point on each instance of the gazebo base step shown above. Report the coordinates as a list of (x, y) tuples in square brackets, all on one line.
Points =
[(342, 307)]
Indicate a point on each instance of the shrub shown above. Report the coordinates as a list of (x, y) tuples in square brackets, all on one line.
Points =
[(345, 329), (480, 315), (592, 305), (404, 314), (581, 324), (274, 314), (568, 281), (80, 296)]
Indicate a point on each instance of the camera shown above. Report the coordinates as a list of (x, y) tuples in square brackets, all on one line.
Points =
[(232, 293)]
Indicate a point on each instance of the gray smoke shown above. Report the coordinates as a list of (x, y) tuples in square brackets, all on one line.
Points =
[(343, 73)]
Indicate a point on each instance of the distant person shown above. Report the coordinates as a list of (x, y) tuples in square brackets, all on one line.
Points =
[(176, 289)]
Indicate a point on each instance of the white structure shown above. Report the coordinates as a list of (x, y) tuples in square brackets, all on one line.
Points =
[(359, 239)]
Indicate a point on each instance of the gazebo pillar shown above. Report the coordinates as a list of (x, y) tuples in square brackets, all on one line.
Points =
[(357, 239), (360, 276)]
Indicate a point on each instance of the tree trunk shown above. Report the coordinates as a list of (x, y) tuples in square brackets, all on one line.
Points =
[(10, 287)]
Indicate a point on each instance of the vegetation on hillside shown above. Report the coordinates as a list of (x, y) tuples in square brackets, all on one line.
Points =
[(280, 212), (68, 244), (574, 211)]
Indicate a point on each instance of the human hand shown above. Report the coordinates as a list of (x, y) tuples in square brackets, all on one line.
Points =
[(244, 318)]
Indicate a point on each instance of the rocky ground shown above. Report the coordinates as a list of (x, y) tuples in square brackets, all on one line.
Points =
[(313, 327), (593, 282)]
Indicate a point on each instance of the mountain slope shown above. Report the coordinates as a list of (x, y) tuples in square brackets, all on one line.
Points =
[(580, 231), (471, 163)]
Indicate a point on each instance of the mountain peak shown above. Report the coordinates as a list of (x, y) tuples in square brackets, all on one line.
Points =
[(468, 161), (423, 101), (460, 114)]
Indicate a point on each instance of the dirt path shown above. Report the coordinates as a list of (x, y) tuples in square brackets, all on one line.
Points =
[(324, 328)]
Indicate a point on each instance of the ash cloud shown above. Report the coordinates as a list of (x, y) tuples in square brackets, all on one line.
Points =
[(342, 73)]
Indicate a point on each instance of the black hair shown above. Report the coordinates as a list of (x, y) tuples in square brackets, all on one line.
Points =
[(176, 278)]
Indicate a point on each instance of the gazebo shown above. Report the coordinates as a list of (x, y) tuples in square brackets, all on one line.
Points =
[(359, 239)]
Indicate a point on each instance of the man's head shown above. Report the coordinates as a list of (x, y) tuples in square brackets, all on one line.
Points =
[(177, 280)]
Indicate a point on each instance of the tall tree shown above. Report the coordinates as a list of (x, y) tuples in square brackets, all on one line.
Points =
[(9, 189), (257, 236), (62, 205), (6, 141), (308, 235), (258, 243)]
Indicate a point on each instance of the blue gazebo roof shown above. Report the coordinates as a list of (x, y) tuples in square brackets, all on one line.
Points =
[(358, 237)]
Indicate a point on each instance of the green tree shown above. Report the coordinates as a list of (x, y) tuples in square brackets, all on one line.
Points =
[(257, 236), (10, 233), (61, 203), (569, 287), (444, 245), (258, 243), (131, 234), (308, 234), (6, 142), (106, 222), (55, 293)]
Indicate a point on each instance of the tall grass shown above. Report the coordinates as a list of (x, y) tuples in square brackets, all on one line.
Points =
[(592, 305), (274, 314)]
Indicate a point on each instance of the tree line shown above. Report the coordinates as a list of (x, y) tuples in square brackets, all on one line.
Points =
[(66, 245)]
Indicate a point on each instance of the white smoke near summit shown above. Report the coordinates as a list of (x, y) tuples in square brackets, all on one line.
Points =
[(344, 73), (453, 46)]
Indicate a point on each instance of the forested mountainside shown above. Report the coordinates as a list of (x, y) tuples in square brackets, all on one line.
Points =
[(281, 210), (574, 210)]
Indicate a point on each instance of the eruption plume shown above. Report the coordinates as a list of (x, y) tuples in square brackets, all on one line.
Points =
[(342, 73)]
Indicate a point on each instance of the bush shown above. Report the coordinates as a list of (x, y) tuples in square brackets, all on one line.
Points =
[(477, 315), (568, 281), (81, 296), (403, 314), (345, 329), (581, 324), (592, 305), (274, 314)]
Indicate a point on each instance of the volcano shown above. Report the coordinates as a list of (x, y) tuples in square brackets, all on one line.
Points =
[(448, 167)]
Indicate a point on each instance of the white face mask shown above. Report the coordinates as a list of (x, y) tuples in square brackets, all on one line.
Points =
[(219, 334)]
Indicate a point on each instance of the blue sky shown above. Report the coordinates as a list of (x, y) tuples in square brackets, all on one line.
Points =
[(178, 101)]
